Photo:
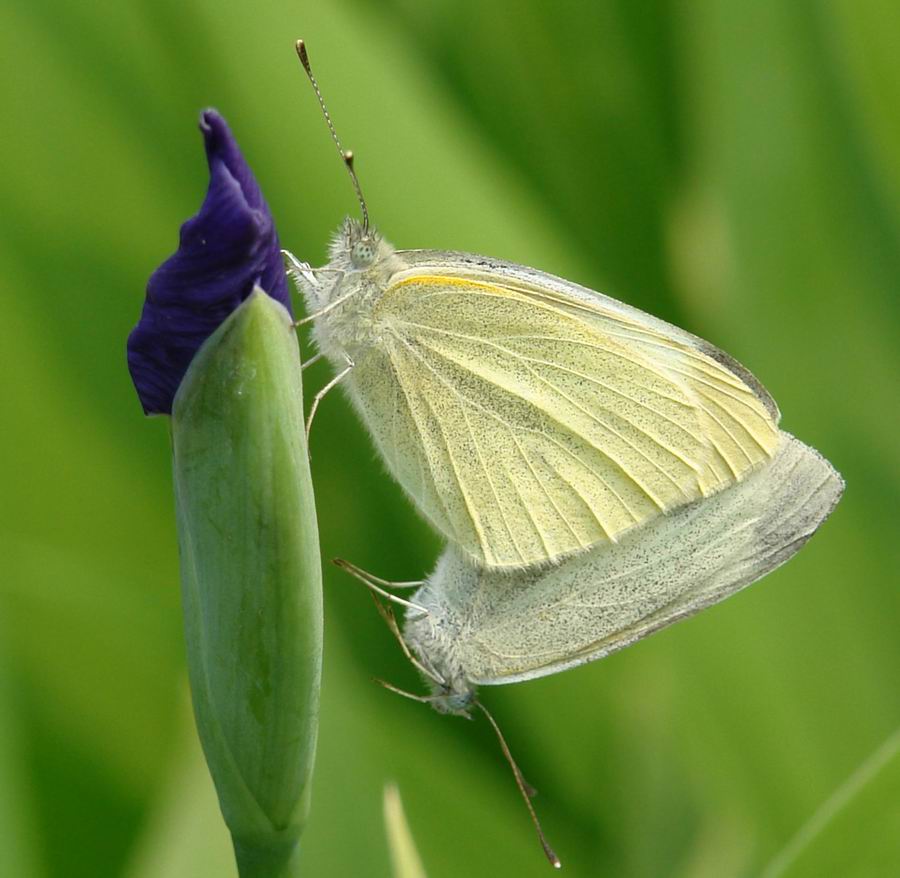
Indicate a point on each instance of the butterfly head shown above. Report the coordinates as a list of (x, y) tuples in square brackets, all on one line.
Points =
[(456, 697), (355, 248), (433, 639)]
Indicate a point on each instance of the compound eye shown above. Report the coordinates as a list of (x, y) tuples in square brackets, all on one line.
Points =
[(362, 253)]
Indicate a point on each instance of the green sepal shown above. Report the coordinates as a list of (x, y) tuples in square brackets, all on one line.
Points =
[(251, 577)]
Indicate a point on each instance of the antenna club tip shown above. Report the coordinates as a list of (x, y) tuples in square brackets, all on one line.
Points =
[(300, 47)]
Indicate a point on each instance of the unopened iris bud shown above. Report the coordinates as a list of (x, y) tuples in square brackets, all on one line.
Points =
[(227, 249), (216, 348)]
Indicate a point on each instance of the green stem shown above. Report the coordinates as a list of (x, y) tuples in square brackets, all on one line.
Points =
[(278, 862)]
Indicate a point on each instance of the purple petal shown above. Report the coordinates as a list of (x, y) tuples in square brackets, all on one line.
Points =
[(224, 251)]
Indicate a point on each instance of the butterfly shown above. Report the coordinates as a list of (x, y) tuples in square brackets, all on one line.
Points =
[(527, 417), (472, 626), (469, 626)]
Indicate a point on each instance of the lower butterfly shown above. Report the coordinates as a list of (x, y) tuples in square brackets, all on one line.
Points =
[(468, 626)]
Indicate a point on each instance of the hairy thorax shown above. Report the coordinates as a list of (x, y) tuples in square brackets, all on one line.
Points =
[(349, 328), (434, 639)]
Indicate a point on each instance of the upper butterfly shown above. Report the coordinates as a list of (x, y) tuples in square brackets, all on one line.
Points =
[(528, 417)]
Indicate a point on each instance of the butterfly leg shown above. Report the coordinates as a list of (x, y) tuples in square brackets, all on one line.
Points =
[(329, 307), (387, 583), (301, 273), (321, 395), (422, 699), (314, 284), (375, 584), (311, 283), (313, 359)]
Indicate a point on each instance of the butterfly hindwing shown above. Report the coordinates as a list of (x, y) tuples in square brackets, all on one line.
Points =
[(509, 627)]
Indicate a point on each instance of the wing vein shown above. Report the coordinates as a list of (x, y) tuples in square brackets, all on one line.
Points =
[(551, 416), (500, 420), (546, 493), (611, 389), (490, 482), (592, 380), (422, 444), (467, 501)]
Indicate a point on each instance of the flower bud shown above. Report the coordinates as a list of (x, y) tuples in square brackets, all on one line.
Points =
[(251, 577), (215, 347)]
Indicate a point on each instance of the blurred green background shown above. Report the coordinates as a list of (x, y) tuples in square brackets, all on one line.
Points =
[(731, 166)]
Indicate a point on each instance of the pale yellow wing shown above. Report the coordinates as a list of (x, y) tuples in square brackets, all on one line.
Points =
[(528, 425)]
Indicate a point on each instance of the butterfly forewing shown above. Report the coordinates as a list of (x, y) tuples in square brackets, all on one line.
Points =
[(528, 424)]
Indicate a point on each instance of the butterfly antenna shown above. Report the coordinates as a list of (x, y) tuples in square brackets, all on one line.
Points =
[(346, 154), (525, 788)]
